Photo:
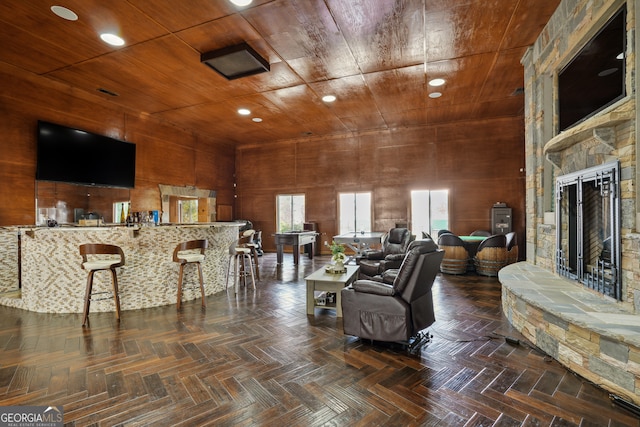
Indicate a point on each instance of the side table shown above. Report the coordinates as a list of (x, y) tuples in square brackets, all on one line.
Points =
[(320, 280)]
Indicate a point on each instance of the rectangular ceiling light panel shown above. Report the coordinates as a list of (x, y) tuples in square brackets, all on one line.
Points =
[(235, 61)]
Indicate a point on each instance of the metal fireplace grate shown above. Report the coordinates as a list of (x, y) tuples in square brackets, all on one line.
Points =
[(587, 228)]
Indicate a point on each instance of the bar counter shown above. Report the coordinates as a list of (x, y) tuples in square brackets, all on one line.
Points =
[(52, 280)]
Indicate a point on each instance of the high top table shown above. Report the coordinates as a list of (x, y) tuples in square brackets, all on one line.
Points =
[(471, 243)]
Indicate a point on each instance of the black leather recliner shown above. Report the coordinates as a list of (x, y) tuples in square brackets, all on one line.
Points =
[(394, 243), (397, 312), (391, 264)]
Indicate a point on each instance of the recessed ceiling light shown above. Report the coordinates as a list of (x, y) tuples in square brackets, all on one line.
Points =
[(64, 13), (241, 2), (112, 39), (244, 112), (436, 82), (435, 95), (257, 119), (329, 98)]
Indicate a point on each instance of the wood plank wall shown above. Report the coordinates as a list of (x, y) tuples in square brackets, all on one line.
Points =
[(480, 163), (165, 153)]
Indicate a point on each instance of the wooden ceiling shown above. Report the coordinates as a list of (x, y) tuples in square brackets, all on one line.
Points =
[(375, 56)]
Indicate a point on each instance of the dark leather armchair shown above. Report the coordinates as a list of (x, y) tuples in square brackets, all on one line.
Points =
[(394, 246), (426, 235), (390, 266), (396, 312)]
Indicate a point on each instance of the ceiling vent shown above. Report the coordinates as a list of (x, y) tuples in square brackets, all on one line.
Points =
[(235, 61)]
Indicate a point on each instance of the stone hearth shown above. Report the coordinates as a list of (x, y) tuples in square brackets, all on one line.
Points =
[(592, 335)]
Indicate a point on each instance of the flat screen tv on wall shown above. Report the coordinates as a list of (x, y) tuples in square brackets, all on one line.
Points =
[(595, 77), (76, 156)]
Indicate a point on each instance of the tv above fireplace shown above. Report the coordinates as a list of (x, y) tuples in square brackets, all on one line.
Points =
[(76, 156), (595, 77)]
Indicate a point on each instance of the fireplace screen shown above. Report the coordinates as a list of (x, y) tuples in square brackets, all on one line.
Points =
[(588, 228)]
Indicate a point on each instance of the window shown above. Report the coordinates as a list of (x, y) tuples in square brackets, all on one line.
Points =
[(290, 212), (355, 212), (429, 211), (188, 211), (120, 212)]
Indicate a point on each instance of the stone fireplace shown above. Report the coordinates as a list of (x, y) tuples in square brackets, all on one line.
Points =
[(593, 171), (577, 296), (588, 228)]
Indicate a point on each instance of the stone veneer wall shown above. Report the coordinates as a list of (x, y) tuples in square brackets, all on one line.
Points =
[(9, 260), (571, 25)]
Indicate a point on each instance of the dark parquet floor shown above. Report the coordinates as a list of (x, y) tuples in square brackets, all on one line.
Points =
[(258, 360)]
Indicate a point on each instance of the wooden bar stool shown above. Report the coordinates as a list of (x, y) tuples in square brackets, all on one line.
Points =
[(239, 252), (95, 263), (251, 244), (191, 252)]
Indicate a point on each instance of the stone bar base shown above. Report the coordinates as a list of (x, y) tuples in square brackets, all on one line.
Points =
[(9, 275), (591, 335), (52, 280)]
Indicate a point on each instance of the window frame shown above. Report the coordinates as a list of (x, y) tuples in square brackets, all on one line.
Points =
[(355, 224), (292, 218), (186, 200), (430, 217)]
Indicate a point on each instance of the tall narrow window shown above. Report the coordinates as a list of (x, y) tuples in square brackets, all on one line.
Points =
[(188, 211), (290, 212), (120, 212), (429, 211), (355, 212)]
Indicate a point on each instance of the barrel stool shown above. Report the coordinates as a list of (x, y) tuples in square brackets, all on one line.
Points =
[(491, 255), (456, 257), (512, 247)]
